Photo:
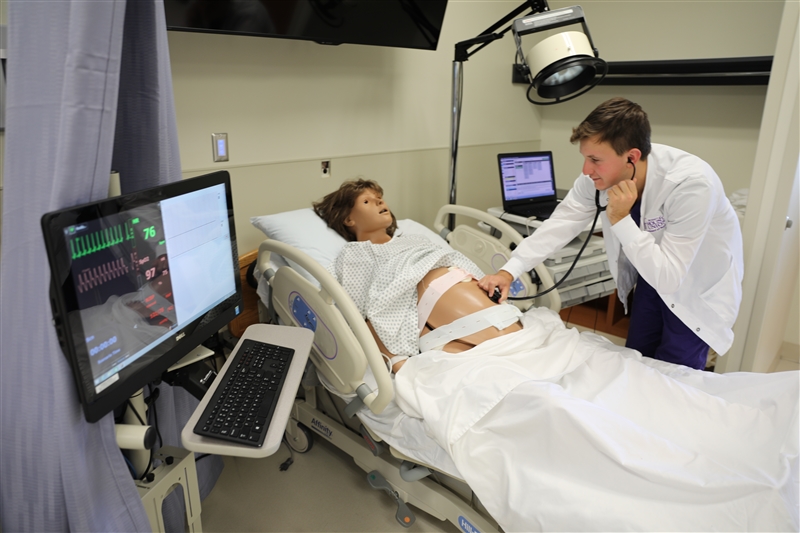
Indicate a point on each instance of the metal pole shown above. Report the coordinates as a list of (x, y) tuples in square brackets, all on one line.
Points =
[(454, 127)]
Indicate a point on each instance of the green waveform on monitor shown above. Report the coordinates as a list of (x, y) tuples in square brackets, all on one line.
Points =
[(84, 245)]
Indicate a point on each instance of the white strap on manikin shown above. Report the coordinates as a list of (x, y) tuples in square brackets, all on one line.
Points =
[(500, 316)]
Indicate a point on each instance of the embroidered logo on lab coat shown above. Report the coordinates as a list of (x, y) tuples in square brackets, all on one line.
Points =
[(654, 224)]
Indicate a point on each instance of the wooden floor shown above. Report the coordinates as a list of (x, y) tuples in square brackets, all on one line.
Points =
[(603, 315)]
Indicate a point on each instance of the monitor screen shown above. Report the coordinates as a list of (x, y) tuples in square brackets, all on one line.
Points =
[(397, 23), (139, 281), (527, 176)]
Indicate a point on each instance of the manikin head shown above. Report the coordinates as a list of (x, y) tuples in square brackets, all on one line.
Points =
[(357, 212), (613, 139)]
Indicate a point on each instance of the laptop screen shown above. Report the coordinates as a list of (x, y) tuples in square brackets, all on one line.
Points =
[(527, 176)]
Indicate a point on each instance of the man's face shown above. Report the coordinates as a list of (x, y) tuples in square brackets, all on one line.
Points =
[(602, 164)]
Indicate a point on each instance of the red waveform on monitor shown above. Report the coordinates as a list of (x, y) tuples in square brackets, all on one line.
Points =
[(95, 276)]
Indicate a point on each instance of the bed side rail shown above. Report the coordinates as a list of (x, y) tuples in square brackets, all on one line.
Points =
[(335, 299), (490, 252)]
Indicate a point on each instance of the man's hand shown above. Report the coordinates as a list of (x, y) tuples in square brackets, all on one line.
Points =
[(502, 280), (621, 198)]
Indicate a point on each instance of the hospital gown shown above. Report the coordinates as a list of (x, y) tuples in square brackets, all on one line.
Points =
[(382, 281)]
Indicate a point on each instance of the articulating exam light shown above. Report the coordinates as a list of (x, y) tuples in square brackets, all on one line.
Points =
[(562, 66), (558, 72)]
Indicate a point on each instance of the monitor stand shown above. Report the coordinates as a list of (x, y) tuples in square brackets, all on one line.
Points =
[(198, 354), (177, 464), (134, 437)]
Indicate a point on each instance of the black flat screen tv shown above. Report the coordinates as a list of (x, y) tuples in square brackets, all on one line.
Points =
[(395, 23), (140, 280)]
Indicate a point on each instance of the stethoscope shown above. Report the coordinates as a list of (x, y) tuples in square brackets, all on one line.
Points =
[(600, 209)]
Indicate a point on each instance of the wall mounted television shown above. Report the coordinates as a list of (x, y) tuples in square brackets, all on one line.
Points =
[(394, 23), (139, 281)]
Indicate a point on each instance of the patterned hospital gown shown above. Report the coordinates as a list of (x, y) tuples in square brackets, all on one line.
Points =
[(382, 281)]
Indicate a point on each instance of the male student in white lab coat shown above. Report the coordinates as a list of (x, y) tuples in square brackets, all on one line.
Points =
[(669, 230)]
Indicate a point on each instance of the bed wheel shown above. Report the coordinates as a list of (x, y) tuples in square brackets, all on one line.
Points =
[(299, 437)]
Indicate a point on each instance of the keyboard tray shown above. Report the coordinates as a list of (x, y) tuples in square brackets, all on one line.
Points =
[(294, 338)]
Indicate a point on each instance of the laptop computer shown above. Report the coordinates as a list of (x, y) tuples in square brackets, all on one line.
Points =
[(528, 184)]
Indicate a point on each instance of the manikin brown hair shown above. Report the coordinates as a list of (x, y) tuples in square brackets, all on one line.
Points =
[(335, 207)]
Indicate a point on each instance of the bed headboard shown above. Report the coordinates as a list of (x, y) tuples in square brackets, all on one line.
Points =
[(343, 345)]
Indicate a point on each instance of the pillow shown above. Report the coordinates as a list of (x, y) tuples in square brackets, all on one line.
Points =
[(304, 230)]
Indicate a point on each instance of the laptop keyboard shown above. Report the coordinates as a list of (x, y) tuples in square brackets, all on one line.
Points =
[(540, 212), (243, 404)]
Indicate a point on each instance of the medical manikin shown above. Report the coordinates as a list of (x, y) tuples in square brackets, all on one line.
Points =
[(414, 294)]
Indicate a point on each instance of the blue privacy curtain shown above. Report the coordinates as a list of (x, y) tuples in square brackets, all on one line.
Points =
[(89, 88)]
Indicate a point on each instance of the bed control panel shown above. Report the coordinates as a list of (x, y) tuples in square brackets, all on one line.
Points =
[(304, 316)]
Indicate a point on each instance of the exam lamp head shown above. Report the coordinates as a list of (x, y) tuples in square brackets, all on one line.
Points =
[(562, 66)]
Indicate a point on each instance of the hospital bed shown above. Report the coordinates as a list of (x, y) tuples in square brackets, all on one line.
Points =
[(600, 438), (347, 375)]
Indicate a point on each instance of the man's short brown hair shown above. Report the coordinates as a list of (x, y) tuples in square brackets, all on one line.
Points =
[(335, 207), (619, 122)]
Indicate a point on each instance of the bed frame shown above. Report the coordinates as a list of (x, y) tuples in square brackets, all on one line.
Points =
[(343, 348)]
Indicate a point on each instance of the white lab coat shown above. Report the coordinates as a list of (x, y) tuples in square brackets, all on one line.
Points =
[(688, 245)]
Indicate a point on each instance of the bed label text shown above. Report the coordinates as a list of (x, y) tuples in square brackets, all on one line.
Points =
[(322, 428)]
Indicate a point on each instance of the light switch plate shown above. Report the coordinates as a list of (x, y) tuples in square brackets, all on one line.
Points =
[(220, 146)]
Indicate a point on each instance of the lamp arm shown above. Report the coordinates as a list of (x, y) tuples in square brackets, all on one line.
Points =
[(462, 48), (589, 36), (488, 35)]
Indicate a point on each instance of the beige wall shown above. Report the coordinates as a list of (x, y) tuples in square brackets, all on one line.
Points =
[(385, 113), (409, 180), (639, 30), (718, 124), (382, 113)]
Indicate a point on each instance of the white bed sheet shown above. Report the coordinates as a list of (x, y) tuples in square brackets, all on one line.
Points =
[(404, 433), (558, 430)]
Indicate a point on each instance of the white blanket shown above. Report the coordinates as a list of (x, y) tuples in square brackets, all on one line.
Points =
[(558, 430)]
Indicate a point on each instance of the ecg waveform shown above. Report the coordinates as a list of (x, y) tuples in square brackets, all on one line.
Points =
[(84, 245), (94, 277)]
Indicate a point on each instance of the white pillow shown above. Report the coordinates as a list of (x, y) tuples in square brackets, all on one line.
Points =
[(304, 230)]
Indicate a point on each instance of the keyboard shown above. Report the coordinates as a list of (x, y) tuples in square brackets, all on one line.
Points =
[(542, 212), (242, 405)]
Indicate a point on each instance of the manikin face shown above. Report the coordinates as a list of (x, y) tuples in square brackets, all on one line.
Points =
[(369, 214), (603, 164)]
